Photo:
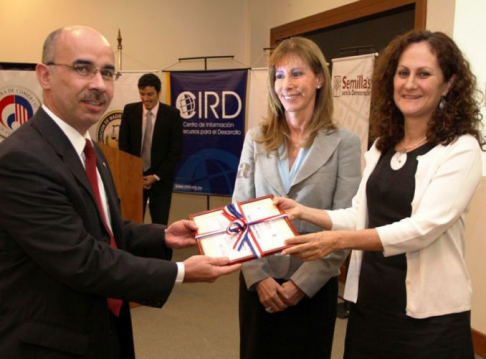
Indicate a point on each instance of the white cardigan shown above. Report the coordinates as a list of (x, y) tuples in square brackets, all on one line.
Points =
[(437, 280)]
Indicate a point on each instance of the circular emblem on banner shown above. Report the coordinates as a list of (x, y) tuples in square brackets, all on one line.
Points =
[(17, 105), (109, 128), (186, 103)]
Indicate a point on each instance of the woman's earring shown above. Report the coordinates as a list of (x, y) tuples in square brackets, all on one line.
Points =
[(442, 102)]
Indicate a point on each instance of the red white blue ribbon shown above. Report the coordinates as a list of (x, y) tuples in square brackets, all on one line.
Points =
[(240, 226)]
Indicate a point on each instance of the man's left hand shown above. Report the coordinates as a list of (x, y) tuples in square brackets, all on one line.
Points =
[(148, 181), (180, 234)]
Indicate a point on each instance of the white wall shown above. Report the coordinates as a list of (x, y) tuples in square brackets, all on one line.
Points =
[(468, 31), (285, 11), (258, 32), (155, 32), (440, 16)]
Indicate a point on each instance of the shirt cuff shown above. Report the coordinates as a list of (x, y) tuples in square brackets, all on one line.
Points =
[(181, 271), (156, 177)]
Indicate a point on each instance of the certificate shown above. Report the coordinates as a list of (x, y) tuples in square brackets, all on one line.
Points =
[(243, 231)]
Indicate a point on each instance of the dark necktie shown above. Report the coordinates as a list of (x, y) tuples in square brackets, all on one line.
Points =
[(113, 304)]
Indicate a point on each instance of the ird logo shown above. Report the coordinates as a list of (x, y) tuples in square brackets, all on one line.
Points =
[(225, 105)]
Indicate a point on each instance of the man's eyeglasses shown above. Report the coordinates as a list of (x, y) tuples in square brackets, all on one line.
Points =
[(89, 70)]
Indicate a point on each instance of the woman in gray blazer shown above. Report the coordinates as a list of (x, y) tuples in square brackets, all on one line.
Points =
[(287, 307)]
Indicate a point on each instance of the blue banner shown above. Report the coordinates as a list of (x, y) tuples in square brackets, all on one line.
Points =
[(213, 110)]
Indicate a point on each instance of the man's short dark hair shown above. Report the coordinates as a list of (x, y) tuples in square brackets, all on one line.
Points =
[(150, 80)]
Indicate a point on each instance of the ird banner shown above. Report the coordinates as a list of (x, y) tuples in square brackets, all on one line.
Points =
[(213, 109), (352, 95)]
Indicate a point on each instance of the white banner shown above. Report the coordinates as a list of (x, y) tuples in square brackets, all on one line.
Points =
[(351, 78), (20, 97)]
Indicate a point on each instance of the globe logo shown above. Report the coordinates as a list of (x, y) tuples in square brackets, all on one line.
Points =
[(186, 103), (210, 171)]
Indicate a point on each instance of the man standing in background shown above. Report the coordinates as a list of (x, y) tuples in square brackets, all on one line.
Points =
[(153, 131)]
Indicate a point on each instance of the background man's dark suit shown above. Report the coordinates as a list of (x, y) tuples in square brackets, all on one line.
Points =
[(53, 243), (166, 151)]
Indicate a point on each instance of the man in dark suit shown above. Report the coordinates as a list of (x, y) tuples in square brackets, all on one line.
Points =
[(67, 259), (153, 131)]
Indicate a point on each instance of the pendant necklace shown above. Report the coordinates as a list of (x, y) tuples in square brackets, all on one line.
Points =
[(400, 157)]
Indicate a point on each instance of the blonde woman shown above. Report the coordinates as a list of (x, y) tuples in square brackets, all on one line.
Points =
[(288, 307)]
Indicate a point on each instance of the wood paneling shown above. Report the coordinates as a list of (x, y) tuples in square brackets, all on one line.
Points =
[(346, 13), (127, 173), (479, 340)]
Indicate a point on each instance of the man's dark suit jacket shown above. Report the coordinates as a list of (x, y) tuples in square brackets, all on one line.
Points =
[(56, 265), (166, 147)]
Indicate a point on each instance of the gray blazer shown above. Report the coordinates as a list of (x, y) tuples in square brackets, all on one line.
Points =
[(328, 179)]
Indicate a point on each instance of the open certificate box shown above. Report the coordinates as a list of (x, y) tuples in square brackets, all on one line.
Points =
[(243, 231)]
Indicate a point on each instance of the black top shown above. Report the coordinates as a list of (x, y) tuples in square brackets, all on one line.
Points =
[(378, 326), (390, 194)]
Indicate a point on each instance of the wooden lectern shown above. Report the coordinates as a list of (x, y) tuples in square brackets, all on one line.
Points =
[(127, 173)]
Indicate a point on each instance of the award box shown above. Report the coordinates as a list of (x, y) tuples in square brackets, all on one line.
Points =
[(243, 231)]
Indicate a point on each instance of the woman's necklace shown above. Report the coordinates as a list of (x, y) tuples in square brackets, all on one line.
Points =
[(400, 157)]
